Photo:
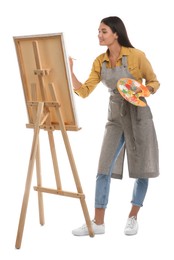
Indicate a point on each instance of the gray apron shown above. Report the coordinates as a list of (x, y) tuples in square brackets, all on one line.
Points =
[(135, 123)]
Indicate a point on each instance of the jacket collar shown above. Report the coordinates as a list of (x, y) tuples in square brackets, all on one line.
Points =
[(125, 51)]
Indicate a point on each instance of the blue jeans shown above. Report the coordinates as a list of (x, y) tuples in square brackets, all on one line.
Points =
[(103, 185)]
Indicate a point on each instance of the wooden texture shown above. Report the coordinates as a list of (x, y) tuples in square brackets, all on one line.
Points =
[(42, 61), (50, 106)]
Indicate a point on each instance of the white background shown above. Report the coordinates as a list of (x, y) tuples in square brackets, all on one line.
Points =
[(149, 25)]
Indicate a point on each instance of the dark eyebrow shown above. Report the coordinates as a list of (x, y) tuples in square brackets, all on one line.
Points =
[(102, 29)]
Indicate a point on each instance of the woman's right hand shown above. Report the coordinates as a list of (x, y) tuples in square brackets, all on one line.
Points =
[(76, 84)]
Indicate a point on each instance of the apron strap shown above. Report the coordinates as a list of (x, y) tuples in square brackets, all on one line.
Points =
[(124, 61)]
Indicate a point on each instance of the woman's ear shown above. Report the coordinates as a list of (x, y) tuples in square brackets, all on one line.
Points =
[(116, 36)]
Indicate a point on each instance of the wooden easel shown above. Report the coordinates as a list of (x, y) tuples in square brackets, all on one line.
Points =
[(41, 111)]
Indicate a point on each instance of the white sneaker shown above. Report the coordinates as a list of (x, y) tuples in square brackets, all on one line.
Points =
[(131, 226), (83, 230)]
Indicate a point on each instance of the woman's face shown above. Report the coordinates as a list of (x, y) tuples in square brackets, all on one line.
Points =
[(105, 35)]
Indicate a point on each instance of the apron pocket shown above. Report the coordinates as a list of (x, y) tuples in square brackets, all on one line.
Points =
[(144, 113), (113, 112)]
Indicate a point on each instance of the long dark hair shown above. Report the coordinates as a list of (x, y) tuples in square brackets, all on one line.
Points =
[(117, 26)]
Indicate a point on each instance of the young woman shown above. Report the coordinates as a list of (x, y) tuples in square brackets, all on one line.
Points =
[(129, 128)]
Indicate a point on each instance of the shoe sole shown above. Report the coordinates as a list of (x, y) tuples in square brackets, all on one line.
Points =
[(130, 234), (82, 235)]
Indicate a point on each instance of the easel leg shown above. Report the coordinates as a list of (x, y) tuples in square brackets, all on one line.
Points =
[(39, 184), (38, 164), (29, 176), (77, 181), (72, 163), (54, 159)]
